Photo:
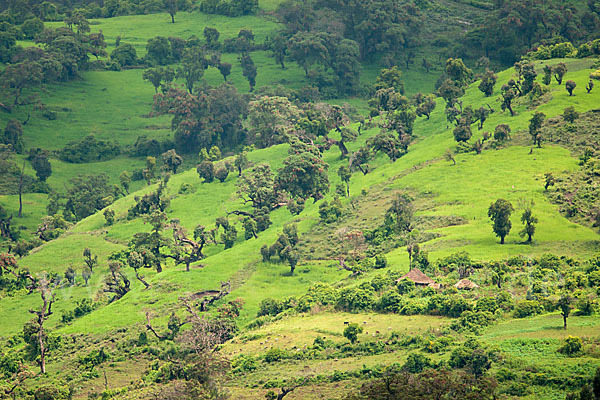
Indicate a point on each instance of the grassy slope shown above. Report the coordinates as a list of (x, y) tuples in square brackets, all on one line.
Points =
[(465, 190)]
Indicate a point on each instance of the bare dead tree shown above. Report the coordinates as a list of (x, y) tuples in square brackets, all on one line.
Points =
[(41, 315), (208, 300)]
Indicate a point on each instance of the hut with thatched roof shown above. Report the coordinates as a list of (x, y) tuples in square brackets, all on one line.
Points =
[(466, 284), (418, 277)]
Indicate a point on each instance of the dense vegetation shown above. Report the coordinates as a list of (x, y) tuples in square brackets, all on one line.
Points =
[(303, 199)]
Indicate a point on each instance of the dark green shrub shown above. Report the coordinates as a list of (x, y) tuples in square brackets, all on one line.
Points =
[(527, 308), (416, 363), (572, 346), (274, 354)]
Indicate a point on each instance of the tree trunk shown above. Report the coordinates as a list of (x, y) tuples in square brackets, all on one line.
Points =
[(343, 148), (21, 191), (141, 279), (42, 349), (564, 321), (501, 239), (172, 18), (512, 113)]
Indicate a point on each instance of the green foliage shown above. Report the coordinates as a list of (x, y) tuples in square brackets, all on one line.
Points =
[(125, 55), (352, 331), (473, 321), (304, 173), (416, 363), (89, 149), (355, 299), (572, 346), (231, 8), (488, 81), (499, 212), (528, 308), (275, 354), (330, 212)]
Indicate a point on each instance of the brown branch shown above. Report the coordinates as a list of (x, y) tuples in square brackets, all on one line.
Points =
[(151, 329)]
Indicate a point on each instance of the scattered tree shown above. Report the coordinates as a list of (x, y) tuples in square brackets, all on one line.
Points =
[(352, 331), (570, 115), (304, 173), (565, 305), (508, 95), (499, 212), (449, 156), (225, 69), (172, 160), (241, 162), (41, 315), (13, 135), (535, 127), (89, 259), (248, 69), (529, 220), (559, 72), (206, 171), (570, 86), (41, 165), (502, 132), (171, 7), (125, 180), (488, 81), (589, 86), (345, 174), (462, 132)]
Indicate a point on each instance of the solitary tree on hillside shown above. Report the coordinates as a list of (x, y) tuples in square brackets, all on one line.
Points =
[(589, 86), (90, 260), (564, 303), (559, 72), (462, 132), (193, 65), (172, 160), (502, 132), (225, 70), (449, 156), (547, 75), (508, 95), (352, 331), (570, 86), (13, 135), (535, 126), (488, 81), (241, 162), (211, 35), (171, 6), (499, 212), (248, 70), (42, 166), (529, 220)]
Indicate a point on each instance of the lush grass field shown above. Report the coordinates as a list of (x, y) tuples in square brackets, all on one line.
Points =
[(115, 105), (464, 190)]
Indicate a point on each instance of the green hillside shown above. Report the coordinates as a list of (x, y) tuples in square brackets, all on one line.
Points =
[(201, 242)]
